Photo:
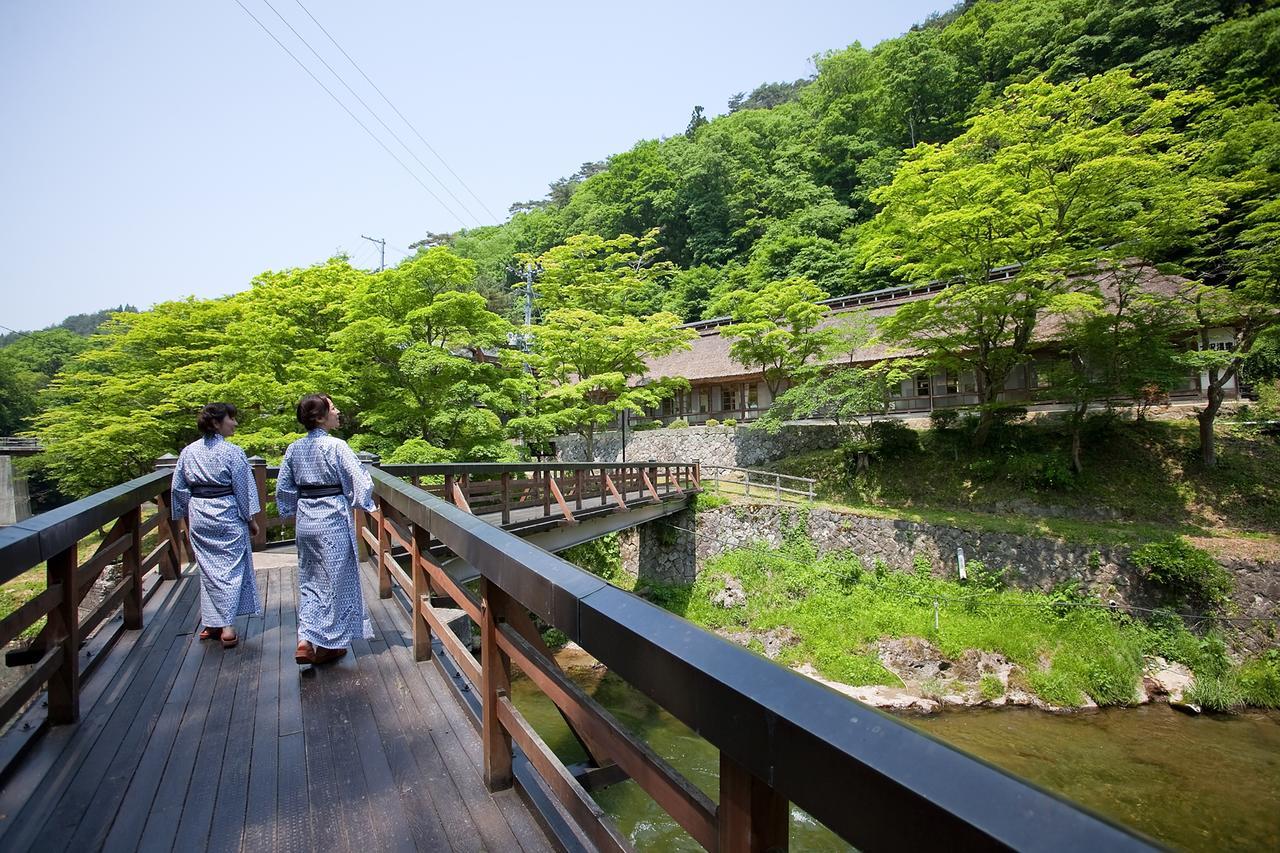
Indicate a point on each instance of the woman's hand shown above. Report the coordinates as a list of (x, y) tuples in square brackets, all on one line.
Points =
[(253, 527)]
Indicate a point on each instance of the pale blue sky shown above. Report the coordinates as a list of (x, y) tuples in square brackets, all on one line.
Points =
[(153, 149)]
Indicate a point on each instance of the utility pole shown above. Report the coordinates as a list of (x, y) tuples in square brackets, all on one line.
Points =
[(529, 274), (382, 250)]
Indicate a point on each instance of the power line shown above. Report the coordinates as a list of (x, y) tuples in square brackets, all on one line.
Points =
[(370, 110), (408, 123), (348, 111)]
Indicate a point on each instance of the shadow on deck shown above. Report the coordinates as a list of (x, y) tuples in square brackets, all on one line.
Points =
[(185, 746)]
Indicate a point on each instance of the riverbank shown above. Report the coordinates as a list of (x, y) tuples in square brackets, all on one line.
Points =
[(911, 640)]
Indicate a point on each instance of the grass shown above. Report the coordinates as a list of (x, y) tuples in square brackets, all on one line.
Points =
[(1142, 481), (837, 609)]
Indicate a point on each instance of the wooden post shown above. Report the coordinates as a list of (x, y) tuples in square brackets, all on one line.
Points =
[(506, 498), (260, 480), (546, 491), (418, 540), (171, 564), (577, 488), (360, 518), (752, 817), (132, 562), (496, 679), (64, 623), (169, 528), (384, 546)]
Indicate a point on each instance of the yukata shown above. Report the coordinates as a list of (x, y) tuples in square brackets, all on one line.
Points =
[(219, 526), (331, 611)]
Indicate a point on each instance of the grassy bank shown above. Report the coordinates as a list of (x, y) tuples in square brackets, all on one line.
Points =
[(1141, 481), (833, 611)]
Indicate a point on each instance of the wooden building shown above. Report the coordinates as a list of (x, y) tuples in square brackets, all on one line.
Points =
[(721, 388)]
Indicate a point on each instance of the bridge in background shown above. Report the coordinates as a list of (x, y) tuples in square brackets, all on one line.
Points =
[(129, 733)]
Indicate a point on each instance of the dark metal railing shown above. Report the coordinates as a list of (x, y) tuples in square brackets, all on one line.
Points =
[(875, 781)]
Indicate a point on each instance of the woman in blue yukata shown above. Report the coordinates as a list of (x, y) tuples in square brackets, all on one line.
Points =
[(213, 490), (321, 480)]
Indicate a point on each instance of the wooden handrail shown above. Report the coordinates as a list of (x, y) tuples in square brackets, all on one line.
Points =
[(874, 780), (54, 538)]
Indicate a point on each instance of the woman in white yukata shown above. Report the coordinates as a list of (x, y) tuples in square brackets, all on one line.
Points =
[(213, 489), (321, 479)]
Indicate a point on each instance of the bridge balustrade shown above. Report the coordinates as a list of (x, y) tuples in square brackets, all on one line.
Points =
[(876, 782)]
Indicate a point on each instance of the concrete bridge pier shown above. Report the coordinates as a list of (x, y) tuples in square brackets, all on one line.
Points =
[(15, 503), (663, 550)]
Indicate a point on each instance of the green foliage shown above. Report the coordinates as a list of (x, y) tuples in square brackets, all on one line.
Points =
[(1050, 471), (1183, 570), (990, 688), (678, 423), (712, 422), (943, 419), (838, 611), (1260, 680), (599, 556), (775, 330), (708, 500), (730, 422)]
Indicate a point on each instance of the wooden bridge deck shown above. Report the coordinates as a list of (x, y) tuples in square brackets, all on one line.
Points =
[(185, 746)]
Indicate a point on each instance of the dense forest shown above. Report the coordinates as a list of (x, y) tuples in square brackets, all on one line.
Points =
[(1054, 134)]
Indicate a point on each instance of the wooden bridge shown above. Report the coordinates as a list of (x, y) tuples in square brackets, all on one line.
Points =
[(128, 733)]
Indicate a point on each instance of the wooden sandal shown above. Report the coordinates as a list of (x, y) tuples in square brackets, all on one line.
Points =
[(211, 633), (232, 643)]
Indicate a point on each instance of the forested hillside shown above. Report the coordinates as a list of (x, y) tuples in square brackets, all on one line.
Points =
[(782, 185), (1053, 134)]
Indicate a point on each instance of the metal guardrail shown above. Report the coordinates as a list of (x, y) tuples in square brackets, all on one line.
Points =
[(765, 483), (875, 781)]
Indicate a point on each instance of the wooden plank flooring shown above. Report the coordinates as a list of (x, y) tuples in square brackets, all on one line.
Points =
[(186, 746)]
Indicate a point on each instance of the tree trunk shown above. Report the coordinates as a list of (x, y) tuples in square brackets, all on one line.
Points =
[(1208, 449), (1077, 426)]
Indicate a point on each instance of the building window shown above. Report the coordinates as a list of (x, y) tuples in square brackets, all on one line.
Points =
[(728, 398), (704, 400), (922, 385), (753, 395), (952, 382)]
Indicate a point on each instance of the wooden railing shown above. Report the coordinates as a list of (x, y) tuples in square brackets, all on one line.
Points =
[(513, 494), (749, 482), (783, 738), (140, 545)]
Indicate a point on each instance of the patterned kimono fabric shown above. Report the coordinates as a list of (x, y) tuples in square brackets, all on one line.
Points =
[(331, 611), (219, 527)]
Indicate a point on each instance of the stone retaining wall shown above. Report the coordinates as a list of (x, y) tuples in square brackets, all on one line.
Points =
[(740, 446)]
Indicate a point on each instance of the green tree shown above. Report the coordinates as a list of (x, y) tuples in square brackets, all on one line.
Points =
[(585, 369), (413, 343), (27, 364), (1051, 178), (776, 330), (1115, 347)]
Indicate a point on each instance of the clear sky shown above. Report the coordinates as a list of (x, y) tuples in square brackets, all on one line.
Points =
[(152, 149)]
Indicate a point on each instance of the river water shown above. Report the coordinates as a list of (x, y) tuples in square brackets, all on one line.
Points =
[(1197, 783)]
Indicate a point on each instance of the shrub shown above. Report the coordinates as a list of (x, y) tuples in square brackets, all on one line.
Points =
[(731, 422), (943, 419), (1260, 680), (712, 422), (892, 438), (991, 580), (1183, 570), (1040, 471), (983, 469), (990, 688), (644, 426), (678, 423)]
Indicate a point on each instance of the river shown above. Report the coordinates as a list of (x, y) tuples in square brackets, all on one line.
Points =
[(1197, 783)]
